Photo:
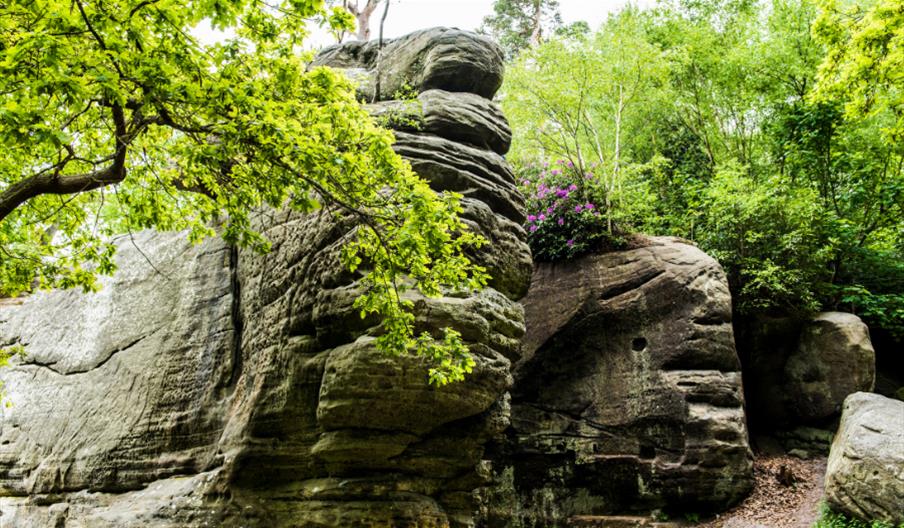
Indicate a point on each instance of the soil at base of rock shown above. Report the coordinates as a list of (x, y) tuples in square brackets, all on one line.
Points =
[(776, 505)]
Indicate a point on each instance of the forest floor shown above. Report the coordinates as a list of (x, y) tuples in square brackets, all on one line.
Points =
[(787, 494)]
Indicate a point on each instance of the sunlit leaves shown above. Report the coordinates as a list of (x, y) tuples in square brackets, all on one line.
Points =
[(212, 134), (864, 63)]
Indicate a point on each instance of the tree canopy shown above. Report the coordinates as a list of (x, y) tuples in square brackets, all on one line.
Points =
[(115, 118), (768, 132)]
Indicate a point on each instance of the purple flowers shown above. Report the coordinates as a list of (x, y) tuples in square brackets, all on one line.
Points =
[(563, 210)]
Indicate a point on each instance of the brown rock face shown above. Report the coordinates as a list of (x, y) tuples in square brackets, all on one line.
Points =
[(628, 396), (233, 389), (834, 358)]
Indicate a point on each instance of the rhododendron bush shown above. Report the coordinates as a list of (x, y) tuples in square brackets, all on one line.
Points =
[(564, 218)]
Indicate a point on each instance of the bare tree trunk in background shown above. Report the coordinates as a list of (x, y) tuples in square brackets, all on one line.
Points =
[(616, 161), (380, 53), (362, 15), (536, 35)]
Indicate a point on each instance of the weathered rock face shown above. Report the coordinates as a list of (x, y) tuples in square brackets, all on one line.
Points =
[(224, 388), (834, 358), (443, 58), (799, 372), (865, 473), (628, 396), (125, 386)]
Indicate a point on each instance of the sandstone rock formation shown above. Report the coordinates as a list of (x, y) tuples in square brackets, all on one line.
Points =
[(865, 473), (628, 396), (443, 58), (214, 387), (799, 372), (834, 358)]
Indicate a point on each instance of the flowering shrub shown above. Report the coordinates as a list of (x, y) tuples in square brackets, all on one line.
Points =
[(564, 221)]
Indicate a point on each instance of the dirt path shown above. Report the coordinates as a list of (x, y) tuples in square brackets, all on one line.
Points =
[(787, 494)]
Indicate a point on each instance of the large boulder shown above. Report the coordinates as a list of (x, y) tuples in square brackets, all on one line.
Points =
[(799, 372), (628, 395), (443, 58), (207, 386), (865, 473), (834, 358)]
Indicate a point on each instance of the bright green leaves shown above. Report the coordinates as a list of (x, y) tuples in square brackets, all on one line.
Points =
[(6, 353), (799, 193), (864, 63), (208, 134), (424, 240), (340, 21), (771, 235)]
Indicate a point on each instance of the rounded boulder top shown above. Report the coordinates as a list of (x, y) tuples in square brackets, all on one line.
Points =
[(437, 58)]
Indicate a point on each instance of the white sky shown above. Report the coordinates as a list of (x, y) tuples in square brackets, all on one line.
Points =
[(406, 16)]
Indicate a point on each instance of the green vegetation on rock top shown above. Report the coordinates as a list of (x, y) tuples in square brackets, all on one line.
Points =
[(768, 132)]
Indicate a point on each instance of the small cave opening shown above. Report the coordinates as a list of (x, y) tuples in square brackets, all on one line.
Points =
[(639, 344)]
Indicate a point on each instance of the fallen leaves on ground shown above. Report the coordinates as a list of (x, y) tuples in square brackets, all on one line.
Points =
[(773, 502)]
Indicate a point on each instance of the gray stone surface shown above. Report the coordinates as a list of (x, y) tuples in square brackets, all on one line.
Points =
[(628, 397), (865, 473), (437, 58), (125, 386), (235, 389), (834, 358), (799, 372)]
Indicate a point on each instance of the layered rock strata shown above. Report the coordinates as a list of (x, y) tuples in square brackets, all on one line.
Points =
[(206, 386), (628, 397)]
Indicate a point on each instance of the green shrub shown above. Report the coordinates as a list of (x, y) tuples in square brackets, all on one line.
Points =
[(564, 220), (831, 519)]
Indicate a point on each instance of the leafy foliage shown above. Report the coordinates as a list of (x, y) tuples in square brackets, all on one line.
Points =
[(831, 519), (763, 130), (562, 222), (865, 59), (114, 118), (519, 24)]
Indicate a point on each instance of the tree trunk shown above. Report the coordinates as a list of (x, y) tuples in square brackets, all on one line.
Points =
[(616, 156), (363, 17), (536, 35)]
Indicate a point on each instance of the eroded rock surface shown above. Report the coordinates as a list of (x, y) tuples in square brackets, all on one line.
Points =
[(628, 396), (798, 373), (224, 388), (834, 358), (442, 58), (865, 473)]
